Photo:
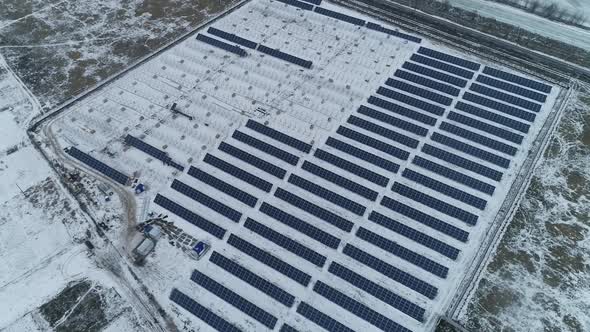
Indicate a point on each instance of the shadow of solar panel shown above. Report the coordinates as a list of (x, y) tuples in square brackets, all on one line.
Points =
[(377, 27), (231, 37), (391, 120), (201, 312), (265, 147), (427, 94), (219, 44), (377, 291), (425, 106), (436, 204), (456, 81), (152, 151), (477, 138), (526, 104), (517, 79), (339, 16), (253, 160), (444, 189), (425, 219), (483, 126), (340, 180), (284, 56), (374, 143), (417, 79), (363, 155), (442, 66), (300, 225), (328, 195), (287, 328), (408, 113), (403, 253), (98, 165), (471, 150), (223, 186), (252, 279), (462, 162), (449, 58), (207, 201), (357, 308), (321, 319), (390, 271), (454, 175), (285, 242), (501, 107), (382, 131), (234, 299), (516, 89), (279, 136), (351, 167), (238, 173), (412, 234), (190, 216), (315, 210), (269, 260), (499, 119), (297, 4)]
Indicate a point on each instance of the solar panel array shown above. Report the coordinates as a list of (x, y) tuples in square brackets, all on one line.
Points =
[(233, 38), (298, 4), (98, 165), (498, 106), (279, 136), (351, 167), (393, 121), (315, 2), (253, 160), (238, 172), (408, 113), (374, 143), (418, 103), (363, 155), (339, 16), (542, 87), (437, 75), (266, 147), (442, 66), (471, 150), (223, 186), (339, 180), (321, 319), (223, 45), (442, 87), (477, 138), (284, 56), (427, 94), (462, 162), (200, 311), (152, 151), (494, 117), (377, 27), (488, 128), (512, 88), (449, 58), (520, 102), (207, 201), (382, 131)]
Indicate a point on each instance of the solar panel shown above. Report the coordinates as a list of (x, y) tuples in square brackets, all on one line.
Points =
[(321, 319), (238, 172), (315, 2), (412, 234), (488, 128), (340, 180), (233, 38), (408, 113), (442, 87), (152, 151), (471, 150), (202, 312), (285, 242), (328, 195), (357, 308), (253, 160), (284, 56), (279, 136), (252, 279), (190, 216), (339, 16), (98, 165), (444, 189), (517, 79), (265, 147), (207, 201), (223, 45), (390, 271), (449, 58), (223, 186), (300, 225), (425, 219), (391, 120), (269, 260), (501, 107), (297, 4), (477, 138), (454, 175), (377, 291), (287, 328), (374, 143), (456, 81), (315, 210), (427, 94), (382, 131), (512, 88), (526, 104), (434, 203), (363, 155), (403, 253), (442, 66), (351, 167), (494, 117), (377, 27), (462, 162), (234, 299), (418, 103)]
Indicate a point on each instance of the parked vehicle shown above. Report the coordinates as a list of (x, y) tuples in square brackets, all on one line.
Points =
[(199, 250)]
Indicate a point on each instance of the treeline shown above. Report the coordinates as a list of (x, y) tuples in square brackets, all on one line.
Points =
[(548, 9)]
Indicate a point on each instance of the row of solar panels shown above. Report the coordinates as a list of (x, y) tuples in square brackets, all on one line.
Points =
[(99, 166), (152, 151)]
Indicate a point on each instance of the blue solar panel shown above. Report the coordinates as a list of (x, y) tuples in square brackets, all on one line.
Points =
[(363, 155), (190, 216), (377, 27), (202, 312), (238, 173), (252, 279), (321, 319), (456, 81), (300, 225), (285, 242), (477, 138), (315, 210), (494, 117), (517, 79), (501, 107), (462, 162), (207, 201), (526, 104), (382, 131), (223, 186), (408, 113), (442, 87), (152, 151), (315, 2), (234, 299), (351, 167), (284, 56), (231, 37), (287, 328), (418, 103), (449, 58), (425, 219), (297, 4), (98, 165), (339, 16), (357, 308), (265, 147), (442, 66), (340, 180), (427, 94), (223, 45), (516, 89), (328, 195), (269, 260), (374, 143), (471, 150), (279, 136), (253, 160), (488, 128), (391, 120)]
